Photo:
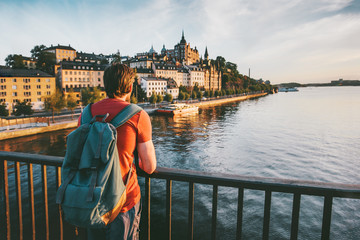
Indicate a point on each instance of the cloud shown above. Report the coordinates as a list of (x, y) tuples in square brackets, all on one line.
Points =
[(277, 39)]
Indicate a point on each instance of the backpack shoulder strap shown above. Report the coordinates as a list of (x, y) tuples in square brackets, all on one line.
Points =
[(86, 115), (124, 115)]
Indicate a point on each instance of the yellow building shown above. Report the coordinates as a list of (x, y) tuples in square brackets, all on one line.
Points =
[(62, 52), (81, 74), (29, 85), (29, 63)]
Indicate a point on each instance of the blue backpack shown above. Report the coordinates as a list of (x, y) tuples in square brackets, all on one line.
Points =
[(92, 191)]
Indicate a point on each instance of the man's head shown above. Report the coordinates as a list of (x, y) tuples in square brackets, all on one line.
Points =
[(118, 80)]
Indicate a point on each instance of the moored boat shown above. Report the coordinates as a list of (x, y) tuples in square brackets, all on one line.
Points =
[(178, 109), (287, 89)]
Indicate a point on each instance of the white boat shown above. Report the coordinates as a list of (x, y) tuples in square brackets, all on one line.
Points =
[(285, 89), (178, 109)]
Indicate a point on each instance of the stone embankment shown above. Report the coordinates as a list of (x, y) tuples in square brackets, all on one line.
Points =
[(72, 124), (227, 100), (36, 130)]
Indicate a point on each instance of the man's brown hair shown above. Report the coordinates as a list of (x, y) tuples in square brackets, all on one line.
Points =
[(118, 79)]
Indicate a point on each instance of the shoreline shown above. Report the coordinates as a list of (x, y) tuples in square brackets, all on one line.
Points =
[(73, 124)]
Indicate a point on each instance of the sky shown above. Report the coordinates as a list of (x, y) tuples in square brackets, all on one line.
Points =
[(304, 41)]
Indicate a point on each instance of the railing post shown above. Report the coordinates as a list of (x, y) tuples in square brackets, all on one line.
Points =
[(18, 198), (191, 212), (31, 198), (6, 199), (168, 207), (295, 216), (214, 212), (240, 213), (325, 232), (147, 204), (266, 224), (58, 183), (45, 199)]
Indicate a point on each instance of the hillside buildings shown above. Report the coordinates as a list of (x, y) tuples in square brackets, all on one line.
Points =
[(157, 72), (181, 64), (29, 85)]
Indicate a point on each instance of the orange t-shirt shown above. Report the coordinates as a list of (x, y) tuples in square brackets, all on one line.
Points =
[(136, 130)]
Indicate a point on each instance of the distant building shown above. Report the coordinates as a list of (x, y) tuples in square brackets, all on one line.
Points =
[(66, 53), (81, 75), (184, 53), (29, 63), (154, 85), (212, 76), (172, 88), (29, 85), (144, 72), (197, 76), (141, 63), (165, 70)]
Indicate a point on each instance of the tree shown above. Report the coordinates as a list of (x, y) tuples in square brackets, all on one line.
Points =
[(133, 99), (55, 102), (187, 96), (181, 95), (183, 89), (71, 102), (89, 95), (160, 98), (193, 95), (3, 111), (220, 63), (23, 108), (46, 62), (37, 50), (153, 98), (168, 97), (15, 61)]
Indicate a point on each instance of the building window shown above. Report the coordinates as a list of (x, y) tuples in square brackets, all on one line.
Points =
[(14, 80), (38, 93), (48, 93), (14, 94), (38, 80), (14, 87), (48, 86), (39, 99), (26, 80), (3, 87), (3, 80), (47, 80)]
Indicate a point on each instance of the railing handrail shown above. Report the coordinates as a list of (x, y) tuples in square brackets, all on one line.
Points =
[(228, 180)]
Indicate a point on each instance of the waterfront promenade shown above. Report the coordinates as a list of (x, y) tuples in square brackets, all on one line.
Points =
[(66, 124)]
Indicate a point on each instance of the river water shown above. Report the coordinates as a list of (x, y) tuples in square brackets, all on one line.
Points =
[(313, 134)]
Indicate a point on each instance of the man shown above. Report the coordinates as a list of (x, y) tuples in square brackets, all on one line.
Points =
[(134, 134)]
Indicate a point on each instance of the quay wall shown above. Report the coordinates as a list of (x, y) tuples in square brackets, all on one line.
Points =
[(227, 100), (31, 131)]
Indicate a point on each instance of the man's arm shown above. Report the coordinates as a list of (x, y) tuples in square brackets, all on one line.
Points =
[(147, 158)]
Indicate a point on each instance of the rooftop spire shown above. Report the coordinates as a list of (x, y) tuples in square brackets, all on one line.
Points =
[(183, 41), (206, 55)]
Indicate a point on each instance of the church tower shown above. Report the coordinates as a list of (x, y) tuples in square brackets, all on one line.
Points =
[(206, 55)]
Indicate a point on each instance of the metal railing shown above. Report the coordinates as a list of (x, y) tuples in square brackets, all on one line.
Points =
[(269, 185)]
